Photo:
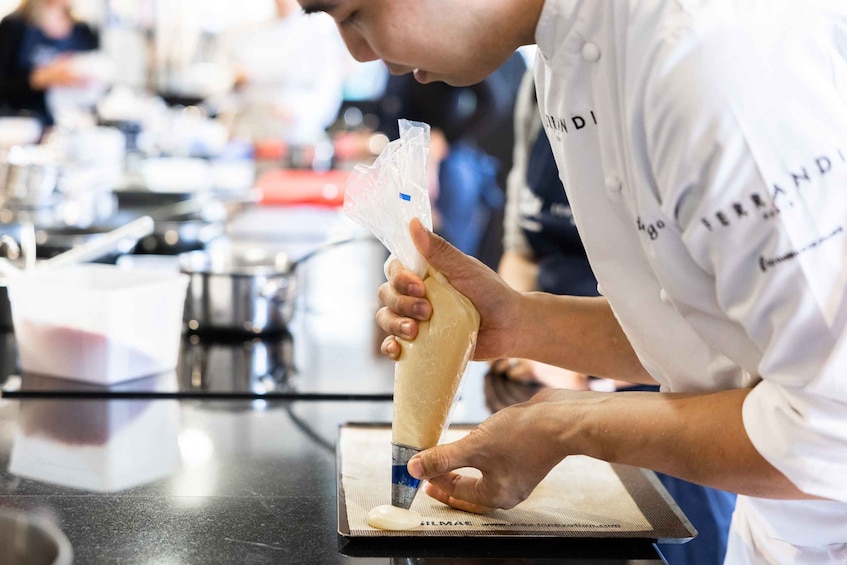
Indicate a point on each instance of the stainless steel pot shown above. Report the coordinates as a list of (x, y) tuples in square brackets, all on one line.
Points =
[(9, 250), (5, 308), (238, 293), (28, 177), (250, 292)]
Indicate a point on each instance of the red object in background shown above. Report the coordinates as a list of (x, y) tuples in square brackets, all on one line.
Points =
[(291, 186), (270, 150)]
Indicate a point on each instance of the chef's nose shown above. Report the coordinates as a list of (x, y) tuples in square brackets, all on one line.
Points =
[(358, 46)]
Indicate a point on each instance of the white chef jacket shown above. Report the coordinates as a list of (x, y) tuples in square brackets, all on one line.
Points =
[(295, 63), (703, 145)]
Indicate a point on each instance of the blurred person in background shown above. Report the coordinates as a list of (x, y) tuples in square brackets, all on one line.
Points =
[(288, 73), (468, 126), (36, 44), (543, 252)]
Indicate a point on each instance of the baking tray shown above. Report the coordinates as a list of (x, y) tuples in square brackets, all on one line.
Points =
[(663, 521)]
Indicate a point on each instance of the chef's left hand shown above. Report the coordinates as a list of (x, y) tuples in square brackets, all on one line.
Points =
[(514, 450)]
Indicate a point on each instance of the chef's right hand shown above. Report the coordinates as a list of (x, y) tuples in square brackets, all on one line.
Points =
[(403, 297)]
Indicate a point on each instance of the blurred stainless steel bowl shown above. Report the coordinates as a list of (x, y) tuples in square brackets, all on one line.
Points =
[(28, 539), (29, 175)]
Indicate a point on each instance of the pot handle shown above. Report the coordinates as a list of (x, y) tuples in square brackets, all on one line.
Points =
[(272, 287), (136, 229), (326, 246)]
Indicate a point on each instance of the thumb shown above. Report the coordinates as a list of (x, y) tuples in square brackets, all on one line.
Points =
[(435, 461), (437, 251)]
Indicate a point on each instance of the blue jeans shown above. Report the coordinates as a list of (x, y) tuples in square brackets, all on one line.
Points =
[(468, 191), (710, 511)]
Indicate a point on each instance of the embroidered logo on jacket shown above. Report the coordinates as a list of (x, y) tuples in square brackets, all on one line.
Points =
[(571, 124), (782, 194)]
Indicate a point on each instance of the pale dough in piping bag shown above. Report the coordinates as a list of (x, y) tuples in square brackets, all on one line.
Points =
[(429, 369)]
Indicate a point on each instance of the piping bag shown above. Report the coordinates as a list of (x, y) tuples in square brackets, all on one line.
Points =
[(384, 197)]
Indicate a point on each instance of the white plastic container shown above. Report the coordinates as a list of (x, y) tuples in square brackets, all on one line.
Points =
[(97, 446), (97, 323)]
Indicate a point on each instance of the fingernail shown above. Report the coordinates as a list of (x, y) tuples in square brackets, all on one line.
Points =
[(421, 309), (406, 329), (416, 290), (414, 467)]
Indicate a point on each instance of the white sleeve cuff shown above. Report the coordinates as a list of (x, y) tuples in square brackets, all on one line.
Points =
[(802, 435)]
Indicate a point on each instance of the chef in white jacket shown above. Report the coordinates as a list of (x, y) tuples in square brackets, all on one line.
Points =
[(703, 144), (289, 71)]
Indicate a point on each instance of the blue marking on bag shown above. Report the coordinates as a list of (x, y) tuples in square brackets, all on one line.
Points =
[(406, 197), (400, 476)]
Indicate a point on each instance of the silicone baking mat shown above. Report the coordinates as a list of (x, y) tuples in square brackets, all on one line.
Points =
[(581, 497)]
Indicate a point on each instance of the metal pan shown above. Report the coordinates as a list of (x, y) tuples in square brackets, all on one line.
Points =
[(238, 293), (247, 292)]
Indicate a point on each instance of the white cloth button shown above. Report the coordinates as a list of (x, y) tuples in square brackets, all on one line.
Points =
[(590, 52), (613, 183), (664, 296)]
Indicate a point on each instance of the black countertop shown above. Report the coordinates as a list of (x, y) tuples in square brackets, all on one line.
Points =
[(231, 458), (253, 482)]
